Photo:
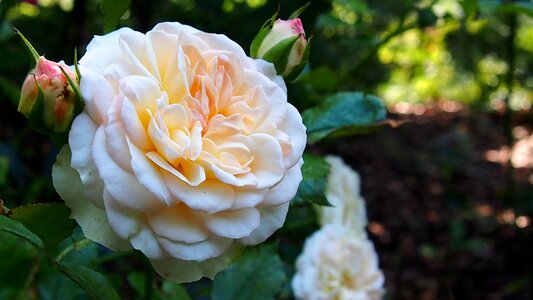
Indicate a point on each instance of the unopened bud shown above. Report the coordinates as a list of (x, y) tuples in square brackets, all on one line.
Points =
[(48, 98), (283, 43)]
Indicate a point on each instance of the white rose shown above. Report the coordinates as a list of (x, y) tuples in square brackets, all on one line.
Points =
[(343, 193), (187, 149), (337, 265)]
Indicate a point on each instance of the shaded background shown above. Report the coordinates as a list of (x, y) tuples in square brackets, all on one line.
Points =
[(448, 183)]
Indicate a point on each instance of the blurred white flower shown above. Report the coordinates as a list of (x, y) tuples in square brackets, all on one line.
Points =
[(343, 193), (336, 264)]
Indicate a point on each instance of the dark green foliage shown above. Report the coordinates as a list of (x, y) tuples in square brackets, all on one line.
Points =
[(257, 275), (342, 110), (315, 173), (49, 221), (93, 283)]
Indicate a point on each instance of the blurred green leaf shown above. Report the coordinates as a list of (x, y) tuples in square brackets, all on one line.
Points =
[(53, 285), (50, 221), (323, 79), (340, 111), (4, 170), (113, 10), (93, 283), (495, 6), (171, 290), (15, 227), (10, 90), (18, 257), (257, 274), (312, 189), (470, 7)]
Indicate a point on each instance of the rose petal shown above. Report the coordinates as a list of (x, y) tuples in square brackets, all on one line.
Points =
[(286, 189), (148, 174), (178, 223), (135, 129), (129, 224), (233, 224), (210, 196), (92, 220), (210, 248), (272, 218), (292, 125), (115, 137), (247, 198), (267, 165), (81, 138), (187, 271), (123, 186)]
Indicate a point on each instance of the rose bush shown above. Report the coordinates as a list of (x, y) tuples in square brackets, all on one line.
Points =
[(336, 264), (187, 149)]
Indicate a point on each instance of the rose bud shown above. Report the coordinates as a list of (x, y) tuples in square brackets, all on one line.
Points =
[(283, 43), (48, 97)]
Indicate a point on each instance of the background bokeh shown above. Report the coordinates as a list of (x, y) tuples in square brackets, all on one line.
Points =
[(448, 180)]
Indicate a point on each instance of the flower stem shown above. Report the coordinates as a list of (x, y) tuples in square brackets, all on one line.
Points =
[(77, 245)]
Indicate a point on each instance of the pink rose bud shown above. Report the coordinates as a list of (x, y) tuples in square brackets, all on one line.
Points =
[(47, 98), (283, 42)]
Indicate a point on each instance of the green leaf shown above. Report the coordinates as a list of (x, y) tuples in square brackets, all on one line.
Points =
[(93, 283), (19, 260), (347, 109), (15, 227), (34, 55), (299, 11), (258, 39), (279, 54), (113, 10), (174, 291), (258, 274), (50, 221), (315, 171)]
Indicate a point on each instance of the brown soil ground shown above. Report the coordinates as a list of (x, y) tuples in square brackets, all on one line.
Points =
[(440, 211)]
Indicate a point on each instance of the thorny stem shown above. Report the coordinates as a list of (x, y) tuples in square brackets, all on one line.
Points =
[(77, 245)]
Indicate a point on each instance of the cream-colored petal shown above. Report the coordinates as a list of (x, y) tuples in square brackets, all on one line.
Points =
[(210, 248), (115, 137), (211, 196), (233, 224), (293, 126), (133, 126), (247, 198), (123, 186), (181, 271), (178, 223), (149, 174), (286, 189), (81, 137), (272, 218), (132, 225), (267, 164), (92, 220)]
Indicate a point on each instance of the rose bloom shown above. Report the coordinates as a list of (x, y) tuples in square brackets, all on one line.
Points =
[(58, 96), (344, 194), (187, 149), (337, 265)]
